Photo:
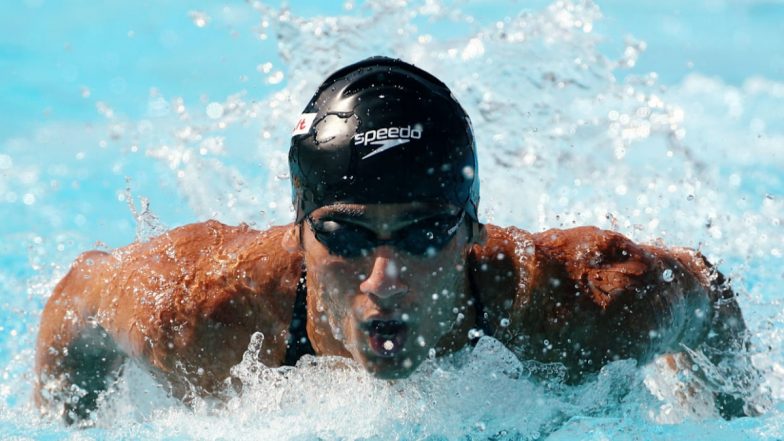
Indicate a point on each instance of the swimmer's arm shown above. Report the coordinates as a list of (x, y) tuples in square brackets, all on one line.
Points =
[(726, 345), (727, 329), (184, 305), (604, 298), (585, 297), (639, 300), (75, 359), (647, 301)]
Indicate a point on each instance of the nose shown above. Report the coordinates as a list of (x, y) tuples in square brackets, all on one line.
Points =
[(384, 280)]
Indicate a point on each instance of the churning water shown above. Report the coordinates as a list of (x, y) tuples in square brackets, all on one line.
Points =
[(568, 135)]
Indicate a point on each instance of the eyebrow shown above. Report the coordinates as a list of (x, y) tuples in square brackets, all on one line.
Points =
[(345, 211)]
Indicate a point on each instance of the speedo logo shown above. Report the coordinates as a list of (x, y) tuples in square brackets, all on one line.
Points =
[(387, 138)]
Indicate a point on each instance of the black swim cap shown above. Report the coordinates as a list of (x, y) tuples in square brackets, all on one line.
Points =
[(383, 131)]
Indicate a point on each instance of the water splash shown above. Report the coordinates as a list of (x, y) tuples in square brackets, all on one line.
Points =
[(562, 142), (147, 223)]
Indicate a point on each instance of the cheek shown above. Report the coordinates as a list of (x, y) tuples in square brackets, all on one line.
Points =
[(442, 289), (438, 277), (337, 287)]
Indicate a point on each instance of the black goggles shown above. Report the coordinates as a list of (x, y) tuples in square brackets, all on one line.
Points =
[(422, 238)]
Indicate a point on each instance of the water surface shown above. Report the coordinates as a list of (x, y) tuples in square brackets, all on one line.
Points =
[(675, 134)]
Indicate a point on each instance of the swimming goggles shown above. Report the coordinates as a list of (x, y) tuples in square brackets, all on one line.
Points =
[(422, 238)]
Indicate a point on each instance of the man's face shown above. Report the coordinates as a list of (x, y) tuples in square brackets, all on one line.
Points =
[(387, 282)]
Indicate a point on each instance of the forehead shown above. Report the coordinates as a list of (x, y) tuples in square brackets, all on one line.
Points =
[(384, 213)]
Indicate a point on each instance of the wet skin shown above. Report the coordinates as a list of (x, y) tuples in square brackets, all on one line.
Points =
[(186, 303)]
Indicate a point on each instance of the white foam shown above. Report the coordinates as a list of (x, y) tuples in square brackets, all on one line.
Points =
[(562, 142)]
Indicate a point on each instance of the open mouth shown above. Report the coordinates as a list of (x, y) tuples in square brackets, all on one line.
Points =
[(387, 337)]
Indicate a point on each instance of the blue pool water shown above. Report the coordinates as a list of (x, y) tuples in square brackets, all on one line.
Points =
[(661, 120)]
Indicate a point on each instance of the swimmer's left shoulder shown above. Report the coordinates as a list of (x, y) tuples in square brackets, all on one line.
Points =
[(584, 238), (605, 264), (560, 244)]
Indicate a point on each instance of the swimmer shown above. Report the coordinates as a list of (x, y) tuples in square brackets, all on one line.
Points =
[(385, 263)]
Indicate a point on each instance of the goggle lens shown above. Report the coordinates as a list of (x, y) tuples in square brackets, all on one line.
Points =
[(423, 238)]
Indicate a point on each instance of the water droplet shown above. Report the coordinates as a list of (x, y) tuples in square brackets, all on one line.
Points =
[(475, 333), (199, 18), (214, 110), (391, 270), (275, 78)]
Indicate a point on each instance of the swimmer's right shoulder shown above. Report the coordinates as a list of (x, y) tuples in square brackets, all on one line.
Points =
[(203, 247), (211, 230), (209, 235)]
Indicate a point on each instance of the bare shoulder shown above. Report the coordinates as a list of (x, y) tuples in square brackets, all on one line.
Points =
[(605, 260), (585, 296), (194, 295), (185, 304), (208, 253), (191, 256), (198, 270), (605, 263)]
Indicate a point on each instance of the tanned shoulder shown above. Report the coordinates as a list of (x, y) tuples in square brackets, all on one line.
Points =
[(585, 296), (184, 303), (199, 292)]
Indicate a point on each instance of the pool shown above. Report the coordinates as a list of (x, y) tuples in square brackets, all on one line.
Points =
[(661, 121)]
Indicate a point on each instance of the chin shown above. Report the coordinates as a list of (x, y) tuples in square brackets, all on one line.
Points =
[(387, 370), (390, 368), (392, 375)]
